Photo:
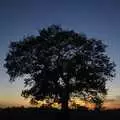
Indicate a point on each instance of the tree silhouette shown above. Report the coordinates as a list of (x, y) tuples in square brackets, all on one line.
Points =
[(59, 63)]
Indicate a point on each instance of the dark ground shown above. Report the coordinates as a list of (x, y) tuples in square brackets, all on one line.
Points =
[(52, 114)]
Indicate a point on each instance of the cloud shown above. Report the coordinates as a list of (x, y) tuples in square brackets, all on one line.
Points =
[(112, 103), (117, 97), (110, 100)]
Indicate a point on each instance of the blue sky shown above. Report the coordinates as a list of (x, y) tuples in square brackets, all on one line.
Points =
[(98, 19)]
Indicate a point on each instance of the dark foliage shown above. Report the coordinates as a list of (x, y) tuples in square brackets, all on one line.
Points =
[(60, 62)]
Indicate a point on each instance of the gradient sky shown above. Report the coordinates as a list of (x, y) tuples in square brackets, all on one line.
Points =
[(99, 19)]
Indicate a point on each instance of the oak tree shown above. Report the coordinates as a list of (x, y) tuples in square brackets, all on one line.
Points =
[(59, 63)]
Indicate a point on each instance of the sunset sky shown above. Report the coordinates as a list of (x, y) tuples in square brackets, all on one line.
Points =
[(98, 19)]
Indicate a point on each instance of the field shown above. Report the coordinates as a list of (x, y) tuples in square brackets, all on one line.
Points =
[(52, 114)]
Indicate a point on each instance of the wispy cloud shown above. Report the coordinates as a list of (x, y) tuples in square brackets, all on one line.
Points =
[(112, 103)]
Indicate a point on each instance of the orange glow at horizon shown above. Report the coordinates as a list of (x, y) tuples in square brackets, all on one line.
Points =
[(115, 104), (76, 102), (73, 103)]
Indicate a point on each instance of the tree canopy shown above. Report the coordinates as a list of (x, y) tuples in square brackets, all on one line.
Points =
[(60, 62)]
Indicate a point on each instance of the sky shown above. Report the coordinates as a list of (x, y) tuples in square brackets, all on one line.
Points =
[(98, 19)]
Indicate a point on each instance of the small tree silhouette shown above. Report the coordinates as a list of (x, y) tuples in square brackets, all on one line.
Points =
[(59, 62)]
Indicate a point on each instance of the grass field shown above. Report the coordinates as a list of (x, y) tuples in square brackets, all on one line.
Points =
[(52, 114)]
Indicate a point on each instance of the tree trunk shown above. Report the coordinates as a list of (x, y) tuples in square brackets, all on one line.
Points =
[(64, 102)]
